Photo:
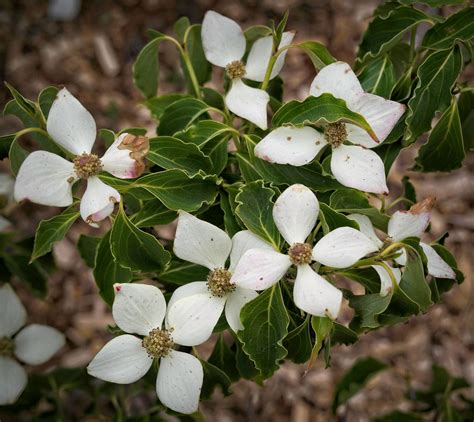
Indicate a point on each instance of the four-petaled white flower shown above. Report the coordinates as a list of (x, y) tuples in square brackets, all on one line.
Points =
[(224, 46), (35, 344), (140, 309), (202, 302), (403, 224), (353, 165), (295, 213), (47, 179)]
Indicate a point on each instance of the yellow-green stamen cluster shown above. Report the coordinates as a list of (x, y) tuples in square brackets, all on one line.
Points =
[(158, 343), (218, 282), (235, 69), (300, 253), (6, 346), (87, 165), (335, 134)]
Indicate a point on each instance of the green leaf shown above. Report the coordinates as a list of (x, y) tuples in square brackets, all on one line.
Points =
[(433, 3), (180, 114), (134, 248), (146, 68), (180, 27), (331, 219), (254, 208), (355, 379), (5, 144), (436, 76), (388, 29), (398, 416), (317, 52), (230, 222), (26, 105), (367, 277), (319, 110), (244, 365), (322, 327), (153, 213), (265, 322), (212, 138), (177, 191), (378, 76), (444, 150), (53, 230), (368, 307), (172, 153), (201, 66), (343, 335), (108, 271), (413, 282), (408, 189), (46, 98), (459, 26), (213, 377), (16, 155), (351, 201), (224, 358), (87, 247), (179, 273), (466, 114), (298, 343), (157, 105)]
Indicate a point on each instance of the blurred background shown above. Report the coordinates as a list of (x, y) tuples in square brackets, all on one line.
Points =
[(90, 47)]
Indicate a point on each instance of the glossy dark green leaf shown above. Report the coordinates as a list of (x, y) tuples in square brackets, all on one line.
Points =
[(265, 322), (244, 365), (298, 343), (26, 105), (343, 335), (157, 105), (172, 153), (224, 358), (53, 230), (180, 114), (378, 76), (134, 248), (255, 205), (46, 98), (213, 377), (318, 110), (146, 68), (193, 46), (33, 274), (5, 144), (153, 213), (444, 150), (322, 327), (17, 154), (332, 219), (459, 26), (317, 52), (177, 191), (87, 247), (230, 222), (355, 379), (389, 28), (408, 189), (368, 307), (466, 114), (179, 273), (108, 271), (436, 76), (180, 27)]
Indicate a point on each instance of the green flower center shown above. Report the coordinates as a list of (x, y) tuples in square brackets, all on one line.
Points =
[(335, 134), (300, 253), (158, 343), (235, 69), (87, 165), (6, 346), (218, 282)]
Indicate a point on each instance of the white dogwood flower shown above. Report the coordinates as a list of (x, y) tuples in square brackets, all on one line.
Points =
[(295, 213), (34, 344), (140, 309), (47, 179), (403, 224), (353, 165), (202, 302), (224, 46)]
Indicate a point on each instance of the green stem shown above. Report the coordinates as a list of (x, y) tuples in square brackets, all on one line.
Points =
[(192, 74), (386, 251), (30, 130), (397, 201), (390, 273)]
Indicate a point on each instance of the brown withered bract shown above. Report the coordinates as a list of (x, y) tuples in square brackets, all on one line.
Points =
[(138, 147), (423, 206)]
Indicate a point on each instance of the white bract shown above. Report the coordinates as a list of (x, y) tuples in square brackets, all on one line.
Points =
[(403, 224), (46, 178), (295, 213), (34, 344), (353, 165), (224, 46), (140, 309), (202, 302)]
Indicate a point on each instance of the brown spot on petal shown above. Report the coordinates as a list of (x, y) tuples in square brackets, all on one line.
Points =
[(424, 206), (138, 147)]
